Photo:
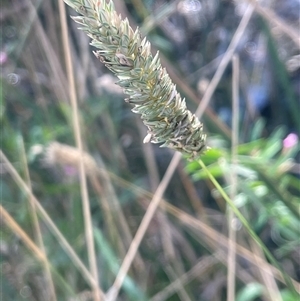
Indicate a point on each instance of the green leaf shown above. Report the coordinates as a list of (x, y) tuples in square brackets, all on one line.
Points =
[(109, 257), (249, 147), (250, 292), (211, 156), (271, 149), (214, 169), (286, 295), (258, 128)]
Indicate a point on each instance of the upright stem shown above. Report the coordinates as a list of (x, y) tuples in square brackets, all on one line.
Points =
[(78, 139), (233, 179)]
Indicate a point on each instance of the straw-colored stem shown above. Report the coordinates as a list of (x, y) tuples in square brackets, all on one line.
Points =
[(113, 233), (224, 62), (9, 221), (50, 53), (153, 173), (272, 291), (114, 290), (192, 193), (172, 275), (233, 179), (36, 226), (118, 214), (78, 139), (200, 268), (271, 17)]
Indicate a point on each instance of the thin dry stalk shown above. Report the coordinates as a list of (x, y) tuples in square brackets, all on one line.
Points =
[(153, 173), (17, 10), (118, 213), (48, 221), (224, 62), (78, 139), (140, 8), (272, 289), (182, 293), (231, 260), (149, 158), (54, 65), (191, 191), (114, 290), (115, 236), (200, 268), (11, 223), (36, 227), (271, 17)]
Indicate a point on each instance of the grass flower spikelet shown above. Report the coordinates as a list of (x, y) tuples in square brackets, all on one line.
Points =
[(148, 85)]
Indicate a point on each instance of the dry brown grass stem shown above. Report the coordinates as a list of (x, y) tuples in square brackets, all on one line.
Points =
[(272, 291), (200, 268), (140, 8), (114, 290), (181, 291), (191, 192), (224, 62), (50, 224), (79, 144), (16, 229), (54, 65), (152, 168), (117, 213), (105, 205), (231, 260), (271, 17), (36, 226)]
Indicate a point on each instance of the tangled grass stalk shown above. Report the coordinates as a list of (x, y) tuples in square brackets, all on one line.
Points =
[(141, 76)]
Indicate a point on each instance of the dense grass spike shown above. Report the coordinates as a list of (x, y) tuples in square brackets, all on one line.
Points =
[(142, 77)]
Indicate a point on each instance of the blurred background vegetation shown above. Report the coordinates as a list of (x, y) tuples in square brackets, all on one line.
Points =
[(183, 255)]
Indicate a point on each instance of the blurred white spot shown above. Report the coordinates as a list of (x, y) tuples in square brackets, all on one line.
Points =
[(25, 292), (147, 138), (13, 78), (37, 149), (190, 6), (192, 11), (126, 140), (250, 47), (293, 63), (236, 224), (202, 85), (107, 82)]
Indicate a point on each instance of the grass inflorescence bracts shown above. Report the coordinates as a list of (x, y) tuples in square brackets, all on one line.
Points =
[(148, 85)]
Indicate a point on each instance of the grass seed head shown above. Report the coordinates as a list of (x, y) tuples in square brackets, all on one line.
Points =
[(142, 77)]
